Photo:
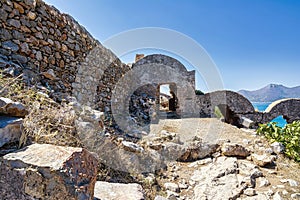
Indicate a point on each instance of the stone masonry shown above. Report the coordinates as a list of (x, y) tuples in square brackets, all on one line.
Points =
[(47, 47), (54, 53)]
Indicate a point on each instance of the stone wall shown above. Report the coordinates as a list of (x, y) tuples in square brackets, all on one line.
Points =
[(54, 53), (154, 69), (235, 107), (288, 108), (234, 101), (50, 48), (96, 76)]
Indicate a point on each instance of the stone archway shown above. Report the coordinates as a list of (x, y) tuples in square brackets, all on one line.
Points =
[(235, 102), (154, 69), (288, 108)]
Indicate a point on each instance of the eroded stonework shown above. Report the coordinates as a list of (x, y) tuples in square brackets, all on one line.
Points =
[(54, 53)]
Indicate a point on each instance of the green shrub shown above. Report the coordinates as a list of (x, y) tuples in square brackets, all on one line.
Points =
[(289, 136)]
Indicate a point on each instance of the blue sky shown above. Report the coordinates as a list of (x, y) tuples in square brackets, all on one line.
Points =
[(252, 42)]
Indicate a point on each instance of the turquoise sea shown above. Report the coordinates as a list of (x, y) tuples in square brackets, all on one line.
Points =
[(262, 106)]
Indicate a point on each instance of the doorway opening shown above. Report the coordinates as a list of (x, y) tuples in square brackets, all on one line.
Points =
[(167, 100)]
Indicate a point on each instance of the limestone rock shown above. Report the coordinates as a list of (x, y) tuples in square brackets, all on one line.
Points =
[(116, 191), (250, 192), (291, 182), (218, 180), (3, 15), (171, 186), (197, 150), (263, 182), (19, 58), (155, 146), (130, 146), (277, 147), (246, 122), (10, 108), (25, 48), (31, 3), (159, 198), (229, 149), (200, 162), (262, 160), (295, 196), (277, 196), (10, 130), (46, 171)]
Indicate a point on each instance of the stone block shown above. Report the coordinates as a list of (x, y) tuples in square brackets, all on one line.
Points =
[(44, 171), (247, 123), (10, 108), (229, 149), (105, 190), (10, 130)]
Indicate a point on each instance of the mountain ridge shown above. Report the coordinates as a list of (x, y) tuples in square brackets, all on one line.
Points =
[(271, 93)]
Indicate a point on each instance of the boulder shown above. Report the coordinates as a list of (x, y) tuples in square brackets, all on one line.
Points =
[(229, 149), (10, 130), (196, 150), (277, 147), (13, 109), (116, 191), (130, 146), (262, 160), (218, 180), (44, 171)]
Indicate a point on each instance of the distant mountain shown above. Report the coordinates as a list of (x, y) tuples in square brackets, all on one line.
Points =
[(271, 93)]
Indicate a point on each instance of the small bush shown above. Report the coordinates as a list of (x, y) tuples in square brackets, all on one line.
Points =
[(289, 136)]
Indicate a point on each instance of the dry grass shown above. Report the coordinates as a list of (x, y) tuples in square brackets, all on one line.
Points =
[(47, 121), (51, 125)]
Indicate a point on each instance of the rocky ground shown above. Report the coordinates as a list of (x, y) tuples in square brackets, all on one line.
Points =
[(244, 167), (188, 158)]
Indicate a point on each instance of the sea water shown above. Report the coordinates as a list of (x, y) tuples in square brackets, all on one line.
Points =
[(262, 106)]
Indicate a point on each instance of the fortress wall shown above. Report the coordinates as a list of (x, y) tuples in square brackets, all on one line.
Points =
[(49, 48)]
